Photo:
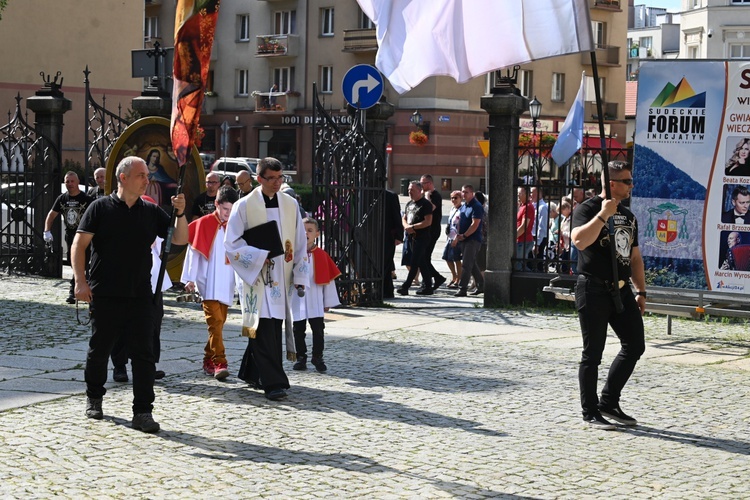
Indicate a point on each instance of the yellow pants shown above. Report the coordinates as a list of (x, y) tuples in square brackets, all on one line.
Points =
[(216, 316)]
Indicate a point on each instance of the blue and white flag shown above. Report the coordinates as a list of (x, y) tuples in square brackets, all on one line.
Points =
[(570, 139)]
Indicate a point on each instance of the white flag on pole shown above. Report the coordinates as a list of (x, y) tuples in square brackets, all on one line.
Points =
[(468, 38), (570, 139)]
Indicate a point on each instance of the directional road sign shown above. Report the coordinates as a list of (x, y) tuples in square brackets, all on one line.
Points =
[(362, 86)]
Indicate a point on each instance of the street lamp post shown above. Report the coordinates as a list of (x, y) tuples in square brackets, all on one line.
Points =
[(416, 118), (535, 110)]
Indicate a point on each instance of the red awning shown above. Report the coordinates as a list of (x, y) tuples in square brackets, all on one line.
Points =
[(596, 143)]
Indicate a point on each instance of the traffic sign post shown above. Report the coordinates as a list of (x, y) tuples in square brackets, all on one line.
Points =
[(362, 86)]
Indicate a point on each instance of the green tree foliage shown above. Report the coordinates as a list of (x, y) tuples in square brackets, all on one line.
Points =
[(3, 3)]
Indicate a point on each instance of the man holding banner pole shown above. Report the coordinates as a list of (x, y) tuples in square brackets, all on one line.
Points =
[(598, 223)]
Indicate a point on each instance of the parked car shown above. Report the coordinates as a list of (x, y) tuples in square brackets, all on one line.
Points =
[(226, 166), (207, 159)]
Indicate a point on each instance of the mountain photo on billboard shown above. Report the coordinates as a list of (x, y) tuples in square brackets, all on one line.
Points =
[(659, 178)]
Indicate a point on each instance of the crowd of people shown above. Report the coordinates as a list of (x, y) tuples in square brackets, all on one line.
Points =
[(258, 247)]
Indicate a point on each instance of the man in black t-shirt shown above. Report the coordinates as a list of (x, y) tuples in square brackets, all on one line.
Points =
[(433, 196), (417, 220), (97, 191), (71, 205), (597, 224), (204, 202), (121, 228)]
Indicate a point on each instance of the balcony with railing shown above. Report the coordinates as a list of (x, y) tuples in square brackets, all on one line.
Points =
[(606, 55), (277, 45), (275, 102), (609, 108), (360, 40), (612, 5)]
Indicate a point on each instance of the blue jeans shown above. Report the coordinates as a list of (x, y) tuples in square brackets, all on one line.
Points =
[(522, 251)]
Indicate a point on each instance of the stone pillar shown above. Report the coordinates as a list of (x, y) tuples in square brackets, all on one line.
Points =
[(375, 124), (504, 111), (153, 105), (48, 105)]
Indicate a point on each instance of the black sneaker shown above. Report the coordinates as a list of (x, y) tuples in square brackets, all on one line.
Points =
[(158, 374), (616, 414), (145, 422), (438, 282), (94, 408), (319, 364), (402, 291), (460, 293), (120, 374), (301, 364), (71, 299), (599, 422), (276, 394), (424, 291)]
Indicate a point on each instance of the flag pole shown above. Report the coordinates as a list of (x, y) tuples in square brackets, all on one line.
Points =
[(608, 192)]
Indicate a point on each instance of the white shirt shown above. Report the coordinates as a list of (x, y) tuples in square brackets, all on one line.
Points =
[(213, 277), (276, 291), (317, 298)]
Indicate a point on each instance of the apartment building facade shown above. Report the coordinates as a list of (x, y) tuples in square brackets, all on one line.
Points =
[(66, 36)]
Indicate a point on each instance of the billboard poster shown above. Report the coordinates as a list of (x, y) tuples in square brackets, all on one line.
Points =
[(692, 173)]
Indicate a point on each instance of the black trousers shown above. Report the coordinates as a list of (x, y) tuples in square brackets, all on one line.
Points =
[(429, 269), (318, 343), (263, 361), (120, 350), (69, 237), (419, 260), (113, 318), (595, 311)]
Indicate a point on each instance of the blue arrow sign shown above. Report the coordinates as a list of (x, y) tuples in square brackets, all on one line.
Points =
[(362, 86)]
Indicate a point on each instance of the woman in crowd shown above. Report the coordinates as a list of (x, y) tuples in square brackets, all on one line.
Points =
[(452, 255)]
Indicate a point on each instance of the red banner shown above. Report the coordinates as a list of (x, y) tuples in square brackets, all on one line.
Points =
[(195, 24)]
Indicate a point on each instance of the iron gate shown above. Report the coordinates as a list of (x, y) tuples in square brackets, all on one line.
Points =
[(349, 194), (29, 188), (103, 128)]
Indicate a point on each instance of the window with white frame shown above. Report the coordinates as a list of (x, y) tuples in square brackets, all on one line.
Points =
[(243, 28), (284, 22), (364, 21), (242, 77), (326, 79), (739, 2), (598, 30), (693, 52), (739, 50), (646, 41), (326, 21), (558, 86), (150, 28), (525, 81), (283, 78)]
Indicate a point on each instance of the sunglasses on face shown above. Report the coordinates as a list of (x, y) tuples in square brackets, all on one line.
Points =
[(627, 182)]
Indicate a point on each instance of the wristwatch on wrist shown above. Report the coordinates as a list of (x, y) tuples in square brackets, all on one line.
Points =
[(642, 294)]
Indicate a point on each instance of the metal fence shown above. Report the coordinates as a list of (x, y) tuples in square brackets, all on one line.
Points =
[(30, 168), (562, 187)]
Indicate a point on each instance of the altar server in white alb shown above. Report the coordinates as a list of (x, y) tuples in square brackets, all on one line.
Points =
[(207, 269), (267, 283), (311, 305)]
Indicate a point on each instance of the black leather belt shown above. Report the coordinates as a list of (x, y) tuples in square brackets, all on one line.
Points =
[(609, 284)]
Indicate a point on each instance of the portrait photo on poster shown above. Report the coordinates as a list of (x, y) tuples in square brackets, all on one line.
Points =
[(736, 201), (734, 251), (737, 151)]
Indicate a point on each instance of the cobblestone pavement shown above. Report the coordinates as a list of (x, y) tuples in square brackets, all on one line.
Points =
[(433, 401)]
